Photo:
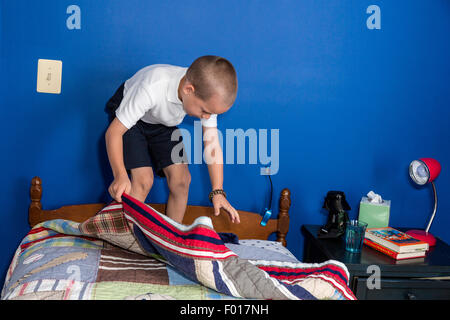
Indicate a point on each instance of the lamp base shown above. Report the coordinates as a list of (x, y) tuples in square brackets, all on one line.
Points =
[(422, 235)]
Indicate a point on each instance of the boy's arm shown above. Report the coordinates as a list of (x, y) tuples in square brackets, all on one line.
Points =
[(114, 148), (135, 103), (214, 160)]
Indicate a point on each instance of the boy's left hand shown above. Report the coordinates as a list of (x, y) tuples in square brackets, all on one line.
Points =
[(219, 201)]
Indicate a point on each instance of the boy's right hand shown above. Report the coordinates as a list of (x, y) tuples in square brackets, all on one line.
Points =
[(120, 185)]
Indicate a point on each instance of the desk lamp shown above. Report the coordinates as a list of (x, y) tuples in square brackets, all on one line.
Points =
[(423, 171)]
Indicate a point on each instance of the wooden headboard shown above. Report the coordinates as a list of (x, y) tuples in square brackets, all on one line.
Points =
[(249, 228)]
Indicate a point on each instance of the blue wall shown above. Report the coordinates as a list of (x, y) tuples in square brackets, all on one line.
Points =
[(354, 106)]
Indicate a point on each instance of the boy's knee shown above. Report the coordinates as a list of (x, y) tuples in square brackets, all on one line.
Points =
[(142, 184), (180, 183)]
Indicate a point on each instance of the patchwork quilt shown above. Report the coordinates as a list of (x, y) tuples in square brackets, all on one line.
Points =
[(129, 250)]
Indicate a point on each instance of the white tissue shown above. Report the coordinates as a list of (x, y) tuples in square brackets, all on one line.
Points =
[(374, 198)]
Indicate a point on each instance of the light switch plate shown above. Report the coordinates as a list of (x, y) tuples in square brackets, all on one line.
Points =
[(49, 76)]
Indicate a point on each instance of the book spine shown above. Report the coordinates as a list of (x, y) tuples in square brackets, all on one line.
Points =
[(380, 248)]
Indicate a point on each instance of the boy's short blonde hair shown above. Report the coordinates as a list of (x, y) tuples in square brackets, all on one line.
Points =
[(212, 74)]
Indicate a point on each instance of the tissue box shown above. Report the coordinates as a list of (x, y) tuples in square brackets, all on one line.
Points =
[(376, 215)]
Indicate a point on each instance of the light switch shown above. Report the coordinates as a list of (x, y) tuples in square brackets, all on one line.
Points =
[(49, 76)]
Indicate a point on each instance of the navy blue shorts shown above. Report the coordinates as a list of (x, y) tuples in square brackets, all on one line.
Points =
[(146, 144)]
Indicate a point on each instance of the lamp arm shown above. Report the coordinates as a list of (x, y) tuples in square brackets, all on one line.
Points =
[(434, 209)]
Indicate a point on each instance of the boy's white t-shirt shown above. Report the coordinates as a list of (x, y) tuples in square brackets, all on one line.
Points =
[(151, 95)]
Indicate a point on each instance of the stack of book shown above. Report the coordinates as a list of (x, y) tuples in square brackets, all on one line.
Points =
[(395, 243)]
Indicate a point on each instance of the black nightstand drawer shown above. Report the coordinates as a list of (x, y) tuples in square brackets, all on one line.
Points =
[(403, 289)]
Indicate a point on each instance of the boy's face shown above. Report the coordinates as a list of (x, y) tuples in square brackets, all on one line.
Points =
[(196, 107)]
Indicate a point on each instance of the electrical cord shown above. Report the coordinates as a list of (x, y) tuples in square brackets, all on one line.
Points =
[(271, 191), (268, 210)]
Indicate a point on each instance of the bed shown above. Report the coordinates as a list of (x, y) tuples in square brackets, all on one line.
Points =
[(131, 250)]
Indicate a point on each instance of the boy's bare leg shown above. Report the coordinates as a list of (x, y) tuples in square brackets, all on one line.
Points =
[(141, 182), (178, 180)]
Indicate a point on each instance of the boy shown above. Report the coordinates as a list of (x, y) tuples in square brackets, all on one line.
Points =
[(146, 110)]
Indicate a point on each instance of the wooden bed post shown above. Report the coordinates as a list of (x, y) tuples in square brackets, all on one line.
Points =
[(35, 207), (283, 215)]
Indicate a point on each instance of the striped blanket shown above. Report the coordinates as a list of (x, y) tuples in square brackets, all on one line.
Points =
[(156, 250)]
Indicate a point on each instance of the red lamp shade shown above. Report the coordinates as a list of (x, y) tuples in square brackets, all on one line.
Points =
[(424, 170), (433, 166)]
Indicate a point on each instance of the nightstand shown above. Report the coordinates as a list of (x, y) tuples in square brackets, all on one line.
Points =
[(422, 278)]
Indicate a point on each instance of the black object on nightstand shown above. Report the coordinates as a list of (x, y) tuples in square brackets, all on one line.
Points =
[(376, 276)]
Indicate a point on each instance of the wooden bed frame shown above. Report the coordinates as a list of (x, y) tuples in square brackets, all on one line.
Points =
[(249, 228)]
